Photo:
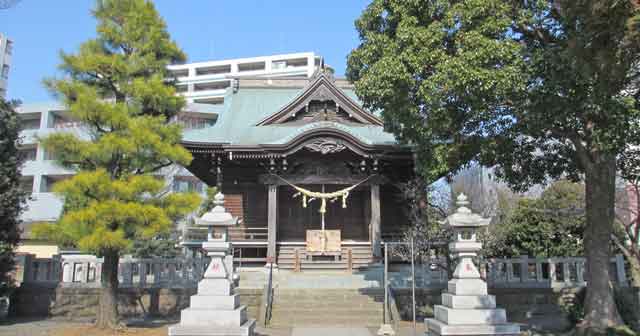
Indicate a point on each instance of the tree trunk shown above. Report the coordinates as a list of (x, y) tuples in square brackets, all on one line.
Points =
[(108, 304), (600, 307)]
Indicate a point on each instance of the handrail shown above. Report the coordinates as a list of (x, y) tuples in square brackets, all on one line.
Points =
[(269, 303)]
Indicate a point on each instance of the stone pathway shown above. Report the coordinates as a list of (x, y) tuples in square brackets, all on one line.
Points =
[(330, 331)]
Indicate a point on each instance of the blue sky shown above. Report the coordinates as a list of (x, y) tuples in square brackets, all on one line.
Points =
[(204, 29)]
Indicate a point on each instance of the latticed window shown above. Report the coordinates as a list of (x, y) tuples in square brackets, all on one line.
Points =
[(189, 122)]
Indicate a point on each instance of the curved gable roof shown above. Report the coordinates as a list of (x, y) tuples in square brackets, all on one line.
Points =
[(243, 122)]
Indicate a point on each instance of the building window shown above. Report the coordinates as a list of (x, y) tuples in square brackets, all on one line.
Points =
[(61, 121), (9, 48), (292, 63), (213, 70), (182, 88), (28, 153), (184, 184), (221, 85), (26, 184), (30, 123), (179, 73), (48, 181), (5, 71), (190, 122), (50, 155), (251, 66), (210, 101)]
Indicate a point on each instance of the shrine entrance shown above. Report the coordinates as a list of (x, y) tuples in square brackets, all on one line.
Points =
[(352, 221)]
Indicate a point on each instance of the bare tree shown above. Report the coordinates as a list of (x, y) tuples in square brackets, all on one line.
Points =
[(426, 207), (627, 235)]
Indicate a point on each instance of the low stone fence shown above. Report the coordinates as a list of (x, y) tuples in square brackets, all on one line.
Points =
[(84, 271), (68, 285), (522, 272)]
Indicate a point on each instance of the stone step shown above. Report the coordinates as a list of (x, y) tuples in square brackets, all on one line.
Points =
[(337, 305), (327, 307), (328, 321)]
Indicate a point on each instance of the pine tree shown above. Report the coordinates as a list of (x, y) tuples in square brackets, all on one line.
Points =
[(11, 196), (118, 86)]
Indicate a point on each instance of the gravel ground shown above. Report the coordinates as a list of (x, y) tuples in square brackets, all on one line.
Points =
[(49, 327)]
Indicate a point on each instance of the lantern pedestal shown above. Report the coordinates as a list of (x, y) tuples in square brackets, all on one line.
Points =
[(466, 308), (216, 309)]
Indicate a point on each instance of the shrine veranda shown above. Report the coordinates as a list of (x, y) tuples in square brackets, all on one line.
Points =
[(278, 134)]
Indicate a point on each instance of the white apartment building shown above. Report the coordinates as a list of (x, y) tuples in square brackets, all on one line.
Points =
[(40, 170), (207, 82), (6, 49)]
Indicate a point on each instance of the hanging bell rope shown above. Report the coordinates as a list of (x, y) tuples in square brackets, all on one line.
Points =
[(306, 194)]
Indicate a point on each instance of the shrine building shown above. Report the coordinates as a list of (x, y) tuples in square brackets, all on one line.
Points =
[(312, 175)]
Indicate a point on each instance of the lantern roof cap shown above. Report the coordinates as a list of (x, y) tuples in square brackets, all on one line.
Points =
[(464, 217), (218, 216)]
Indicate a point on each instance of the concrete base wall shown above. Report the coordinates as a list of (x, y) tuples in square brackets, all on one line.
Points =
[(537, 308), (81, 303)]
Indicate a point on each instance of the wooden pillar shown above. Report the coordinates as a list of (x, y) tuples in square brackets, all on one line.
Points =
[(272, 223), (376, 235)]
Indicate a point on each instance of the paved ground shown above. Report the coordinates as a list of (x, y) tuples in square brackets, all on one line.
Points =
[(47, 327), (330, 331)]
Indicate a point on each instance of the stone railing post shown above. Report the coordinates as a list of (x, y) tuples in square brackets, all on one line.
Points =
[(524, 268), (142, 272), (98, 264), (566, 272), (67, 272), (552, 272), (580, 272), (509, 269), (185, 272), (172, 273), (157, 273), (127, 274), (539, 277)]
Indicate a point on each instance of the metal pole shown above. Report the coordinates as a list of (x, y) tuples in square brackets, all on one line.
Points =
[(386, 283), (413, 285), (322, 213)]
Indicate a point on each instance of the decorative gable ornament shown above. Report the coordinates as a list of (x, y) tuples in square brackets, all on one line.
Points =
[(325, 146), (322, 89)]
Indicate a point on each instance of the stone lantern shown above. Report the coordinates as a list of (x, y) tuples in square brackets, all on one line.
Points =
[(215, 309), (466, 308)]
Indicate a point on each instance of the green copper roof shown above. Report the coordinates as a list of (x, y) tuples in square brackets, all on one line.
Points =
[(246, 108)]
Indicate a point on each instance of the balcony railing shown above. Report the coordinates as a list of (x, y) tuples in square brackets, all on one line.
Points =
[(236, 234)]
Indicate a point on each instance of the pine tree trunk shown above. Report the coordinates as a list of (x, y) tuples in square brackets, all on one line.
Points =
[(108, 304), (600, 307)]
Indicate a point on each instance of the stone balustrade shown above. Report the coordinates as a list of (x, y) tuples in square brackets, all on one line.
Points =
[(40, 270), (526, 272), (84, 271), (523, 272)]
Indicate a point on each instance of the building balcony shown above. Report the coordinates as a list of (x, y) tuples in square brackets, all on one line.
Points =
[(43, 207)]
